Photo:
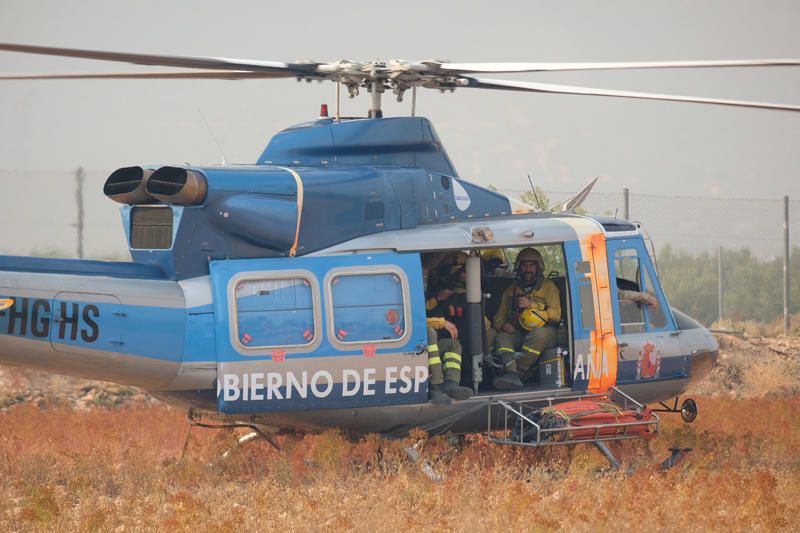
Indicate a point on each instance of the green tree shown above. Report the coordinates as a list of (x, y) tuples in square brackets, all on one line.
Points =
[(752, 288)]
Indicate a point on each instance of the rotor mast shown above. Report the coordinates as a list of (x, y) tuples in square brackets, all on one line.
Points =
[(376, 75), (375, 93)]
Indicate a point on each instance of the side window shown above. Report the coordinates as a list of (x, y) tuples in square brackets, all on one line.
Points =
[(626, 268), (368, 307), (276, 312)]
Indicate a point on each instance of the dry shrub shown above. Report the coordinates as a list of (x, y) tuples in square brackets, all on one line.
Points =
[(755, 328), (102, 470), (754, 368)]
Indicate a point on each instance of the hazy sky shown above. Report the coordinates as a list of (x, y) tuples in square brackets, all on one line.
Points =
[(48, 128)]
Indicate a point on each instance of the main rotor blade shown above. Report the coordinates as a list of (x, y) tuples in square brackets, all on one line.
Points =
[(198, 74), (477, 68), (482, 83), (220, 63)]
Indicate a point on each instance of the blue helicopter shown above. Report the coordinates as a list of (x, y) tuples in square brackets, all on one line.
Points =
[(291, 293)]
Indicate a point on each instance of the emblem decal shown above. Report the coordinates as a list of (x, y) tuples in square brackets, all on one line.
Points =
[(463, 200), (649, 364)]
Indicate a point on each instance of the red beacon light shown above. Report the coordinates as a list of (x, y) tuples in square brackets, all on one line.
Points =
[(323, 111)]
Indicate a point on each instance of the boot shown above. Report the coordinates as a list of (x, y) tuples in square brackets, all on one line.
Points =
[(456, 391), (507, 381), (437, 395)]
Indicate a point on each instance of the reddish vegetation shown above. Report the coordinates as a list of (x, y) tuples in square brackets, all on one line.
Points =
[(98, 468)]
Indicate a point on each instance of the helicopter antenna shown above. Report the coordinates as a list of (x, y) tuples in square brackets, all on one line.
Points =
[(574, 202), (214, 137), (536, 196)]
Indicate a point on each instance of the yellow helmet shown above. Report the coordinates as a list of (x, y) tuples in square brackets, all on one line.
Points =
[(531, 319), (530, 254), (492, 254)]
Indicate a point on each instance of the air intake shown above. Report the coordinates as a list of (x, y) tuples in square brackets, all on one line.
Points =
[(151, 228), (127, 186), (178, 186)]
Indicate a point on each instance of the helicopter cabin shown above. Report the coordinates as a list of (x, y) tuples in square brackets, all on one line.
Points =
[(347, 325)]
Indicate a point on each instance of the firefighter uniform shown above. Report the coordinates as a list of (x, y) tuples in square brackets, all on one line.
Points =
[(444, 355), (444, 352), (544, 297)]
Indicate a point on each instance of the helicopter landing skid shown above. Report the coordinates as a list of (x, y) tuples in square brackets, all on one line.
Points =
[(195, 420)]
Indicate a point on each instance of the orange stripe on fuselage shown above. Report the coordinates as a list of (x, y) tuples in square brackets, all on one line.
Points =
[(602, 371)]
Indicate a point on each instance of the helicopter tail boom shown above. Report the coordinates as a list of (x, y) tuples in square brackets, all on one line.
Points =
[(119, 322)]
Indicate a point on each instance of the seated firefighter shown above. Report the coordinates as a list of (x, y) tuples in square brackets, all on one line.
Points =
[(445, 305), (526, 308)]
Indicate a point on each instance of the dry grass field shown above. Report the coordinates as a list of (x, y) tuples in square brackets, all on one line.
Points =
[(76, 456)]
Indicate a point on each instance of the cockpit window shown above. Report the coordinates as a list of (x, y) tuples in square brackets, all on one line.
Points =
[(641, 308), (655, 315), (631, 314)]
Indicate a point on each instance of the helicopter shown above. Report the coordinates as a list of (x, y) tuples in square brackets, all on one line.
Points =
[(289, 294)]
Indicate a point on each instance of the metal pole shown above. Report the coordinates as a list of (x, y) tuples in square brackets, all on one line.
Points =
[(338, 101), (626, 203), (719, 282), (474, 335), (80, 177), (786, 266), (375, 99)]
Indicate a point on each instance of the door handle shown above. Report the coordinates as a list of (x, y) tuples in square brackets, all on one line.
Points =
[(622, 345)]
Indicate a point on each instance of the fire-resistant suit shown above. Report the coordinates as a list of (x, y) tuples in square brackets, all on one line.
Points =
[(545, 298), (444, 351)]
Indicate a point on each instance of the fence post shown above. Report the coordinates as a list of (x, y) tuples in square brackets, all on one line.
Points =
[(786, 266), (719, 283), (626, 203), (80, 178)]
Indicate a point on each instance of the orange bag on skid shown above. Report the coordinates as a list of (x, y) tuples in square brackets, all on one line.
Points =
[(582, 416)]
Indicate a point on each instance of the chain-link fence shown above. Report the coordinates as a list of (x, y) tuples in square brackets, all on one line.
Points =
[(696, 239), (717, 257), (697, 224)]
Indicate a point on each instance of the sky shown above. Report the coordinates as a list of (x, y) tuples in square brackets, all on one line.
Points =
[(50, 128)]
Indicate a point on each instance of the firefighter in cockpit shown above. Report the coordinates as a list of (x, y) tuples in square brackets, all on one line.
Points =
[(527, 308)]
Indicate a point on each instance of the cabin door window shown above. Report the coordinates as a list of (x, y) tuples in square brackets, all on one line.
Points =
[(274, 312), (367, 307)]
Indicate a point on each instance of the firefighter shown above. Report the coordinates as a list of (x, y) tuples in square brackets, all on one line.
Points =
[(527, 307), (445, 306)]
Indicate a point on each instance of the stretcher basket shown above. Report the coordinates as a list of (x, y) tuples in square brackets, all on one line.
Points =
[(571, 419)]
